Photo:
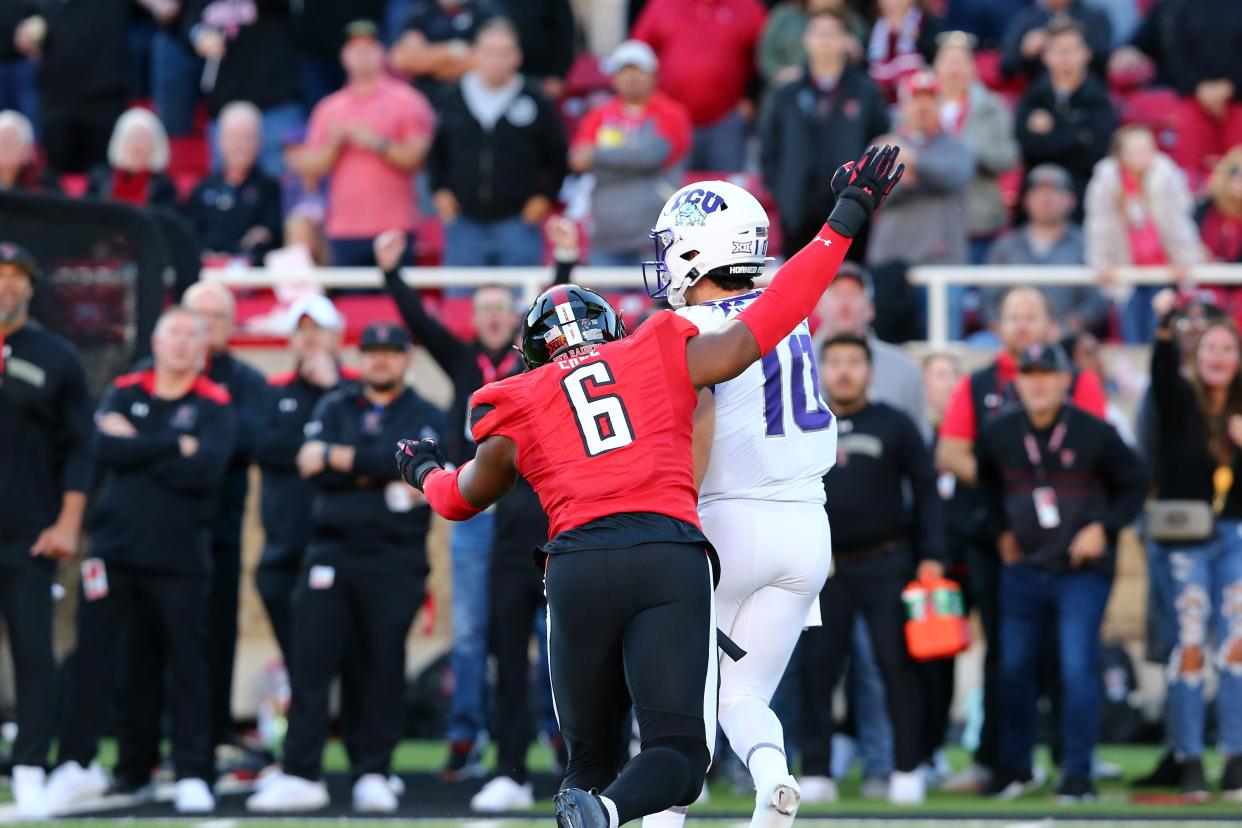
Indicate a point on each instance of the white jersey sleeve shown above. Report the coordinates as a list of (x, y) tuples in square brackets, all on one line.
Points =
[(775, 437)]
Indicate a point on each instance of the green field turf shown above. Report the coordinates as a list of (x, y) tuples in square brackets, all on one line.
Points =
[(1037, 810)]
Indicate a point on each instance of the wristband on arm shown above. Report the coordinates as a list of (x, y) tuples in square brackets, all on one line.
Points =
[(444, 495)]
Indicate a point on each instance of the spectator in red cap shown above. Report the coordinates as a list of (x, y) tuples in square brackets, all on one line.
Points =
[(707, 51), (926, 222), (903, 41), (632, 144), (369, 138)]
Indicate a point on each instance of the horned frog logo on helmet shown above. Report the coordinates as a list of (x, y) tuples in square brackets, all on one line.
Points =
[(704, 226)]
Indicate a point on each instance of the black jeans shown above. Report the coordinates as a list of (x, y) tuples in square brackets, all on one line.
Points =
[(872, 587), (516, 598), (26, 604), (634, 627), (172, 608), (350, 618)]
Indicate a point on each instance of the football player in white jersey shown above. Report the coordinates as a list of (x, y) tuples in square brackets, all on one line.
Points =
[(763, 443)]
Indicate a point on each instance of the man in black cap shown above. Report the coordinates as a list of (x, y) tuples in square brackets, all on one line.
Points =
[(1058, 486), (362, 581), (45, 418)]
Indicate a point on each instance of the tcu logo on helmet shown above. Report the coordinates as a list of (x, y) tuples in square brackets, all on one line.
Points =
[(693, 206)]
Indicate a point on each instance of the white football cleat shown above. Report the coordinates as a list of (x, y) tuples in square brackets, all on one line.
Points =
[(818, 790), (373, 795), (193, 797), (27, 784), (285, 793), (503, 794), (776, 808), (71, 785), (908, 788)]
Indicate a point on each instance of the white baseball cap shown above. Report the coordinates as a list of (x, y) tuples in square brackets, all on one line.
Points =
[(319, 308), (631, 53)]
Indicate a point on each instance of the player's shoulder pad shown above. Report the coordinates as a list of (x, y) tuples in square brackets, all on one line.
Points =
[(496, 407), (704, 317), (668, 321)]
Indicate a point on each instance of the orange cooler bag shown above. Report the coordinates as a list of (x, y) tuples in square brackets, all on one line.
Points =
[(936, 625)]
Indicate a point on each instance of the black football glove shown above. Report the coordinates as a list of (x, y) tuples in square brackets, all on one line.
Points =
[(416, 459), (862, 186)]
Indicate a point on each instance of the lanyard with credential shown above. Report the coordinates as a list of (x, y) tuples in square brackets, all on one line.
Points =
[(1047, 512)]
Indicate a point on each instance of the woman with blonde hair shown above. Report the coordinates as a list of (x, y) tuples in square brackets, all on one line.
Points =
[(137, 157), (1139, 211), (1220, 217)]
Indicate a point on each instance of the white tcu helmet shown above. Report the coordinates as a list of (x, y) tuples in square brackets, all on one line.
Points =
[(704, 226)]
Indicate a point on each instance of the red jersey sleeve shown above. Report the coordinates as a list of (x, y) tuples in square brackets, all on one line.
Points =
[(588, 127), (1089, 395), (498, 408), (959, 414)]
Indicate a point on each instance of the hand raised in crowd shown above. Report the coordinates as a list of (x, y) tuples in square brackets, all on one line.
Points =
[(1089, 544), (115, 425), (446, 205), (187, 444), (1007, 546), (319, 369), (1163, 303), (311, 459), (210, 44), (563, 234), (389, 247), (58, 542), (1235, 429), (28, 37), (1033, 43)]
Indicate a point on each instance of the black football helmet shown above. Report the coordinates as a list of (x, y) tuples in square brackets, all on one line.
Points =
[(565, 317)]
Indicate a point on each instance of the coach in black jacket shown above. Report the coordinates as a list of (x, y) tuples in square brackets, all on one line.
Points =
[(1058, 485), (164, 437), (362, 582), (286, 498), (813, 125), (498, 157)]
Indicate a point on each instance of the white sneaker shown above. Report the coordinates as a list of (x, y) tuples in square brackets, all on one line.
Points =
[(503, 794), (27, 782), (818, 790), (908, 788), (373, 795), (71, 785), (283, 792), (776, 808), (193, 797), (974, 778)]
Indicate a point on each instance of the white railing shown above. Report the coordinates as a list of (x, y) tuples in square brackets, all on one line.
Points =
[(531, 280)]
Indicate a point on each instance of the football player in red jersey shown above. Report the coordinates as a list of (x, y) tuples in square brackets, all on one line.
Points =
[(601, 426)]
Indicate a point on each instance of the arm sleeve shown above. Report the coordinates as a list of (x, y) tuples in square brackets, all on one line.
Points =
[(75, 429), (323, 426), (1126, 478), (1089, 395), (444, 348), (795, 290), (959, 413), (203, 471), (1169, 390), (584, 135), (929, 526), (128, 452)]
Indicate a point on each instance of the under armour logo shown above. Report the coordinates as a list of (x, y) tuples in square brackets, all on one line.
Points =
[(824, 242)]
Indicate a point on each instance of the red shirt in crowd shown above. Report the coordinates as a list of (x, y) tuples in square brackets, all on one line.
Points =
[(366, 194), (959, 414), (706, 50), (610, 123)]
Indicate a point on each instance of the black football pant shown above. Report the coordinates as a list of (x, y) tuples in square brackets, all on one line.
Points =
[(634, 626), (170, 607), (26, 604), (350, 618), (873, 587), (275, 582), (516, 598)]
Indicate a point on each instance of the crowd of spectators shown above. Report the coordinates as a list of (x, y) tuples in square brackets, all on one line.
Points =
[(372, 133)]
